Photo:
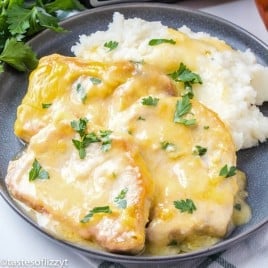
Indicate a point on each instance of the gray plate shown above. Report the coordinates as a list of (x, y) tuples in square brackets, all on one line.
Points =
[(254, 161)]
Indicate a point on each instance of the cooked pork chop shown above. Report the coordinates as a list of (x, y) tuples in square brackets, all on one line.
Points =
[(66, 87), (182, 172), (157, 175), (76, 187)]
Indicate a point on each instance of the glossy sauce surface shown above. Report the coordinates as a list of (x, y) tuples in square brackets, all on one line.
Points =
[(110, 96)]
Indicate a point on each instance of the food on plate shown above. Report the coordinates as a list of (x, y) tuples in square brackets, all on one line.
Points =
[(233, 82), (126, 148)]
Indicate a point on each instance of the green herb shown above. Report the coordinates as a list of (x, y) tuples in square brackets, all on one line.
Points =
[(106, 140), (238, 207), (172, 243), (141, 118), (95, 80), (168, 146), (120, 199), (183, 107), (199, 150), (46, 105), (111, 45), (150, 101), (18, 55), (80, 126), (155, 42), (81, 91), (227, 172), (20, 20), (206, 127), (96, 210), (185, 75), (37, 172), (186, 205)]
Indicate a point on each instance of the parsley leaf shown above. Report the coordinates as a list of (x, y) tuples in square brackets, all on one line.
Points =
[(46, 105), (95, 210), (183, 107), (141, 118), (120, 199), (186, 205), (53, 6), (185, 75), (80, 126), (37, 172), (81, 91), (111, 45), (150, 101), (199, 150), (106, 140), (227, 172), (95, 80), (172, 243), (238, 206), (20, 20), (18, 55), (168, 146), (155, 42)]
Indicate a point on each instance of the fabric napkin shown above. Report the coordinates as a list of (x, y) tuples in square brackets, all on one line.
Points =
[(251, 252)]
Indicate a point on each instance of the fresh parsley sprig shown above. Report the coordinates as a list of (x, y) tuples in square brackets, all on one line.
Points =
[(185, 75), (156, 42), (37, 172), (183, 107), (186, 205), (96, 210), (20, 20), (80, 126), (111, 45), (120, 200), (150, 101), (199, 150), (227, 172)]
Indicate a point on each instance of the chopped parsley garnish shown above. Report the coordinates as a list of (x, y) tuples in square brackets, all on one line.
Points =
[(227, 172), (46, 105), (80, 126), (37, 172), (150, 101), (95, 80), (206, 127), (120, 200), (199, 150), (168, 146), (172, 243), (185, 75), (141, 118), (238, 207), (155, 42), (96, 210), (106, 140), (81, 91), (183, 107), (111, 45), (186, 205)]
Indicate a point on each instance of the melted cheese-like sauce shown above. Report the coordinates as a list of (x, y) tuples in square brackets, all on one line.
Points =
[(110, 96)]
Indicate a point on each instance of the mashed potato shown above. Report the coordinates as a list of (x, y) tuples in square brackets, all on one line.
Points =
[(233, 82)]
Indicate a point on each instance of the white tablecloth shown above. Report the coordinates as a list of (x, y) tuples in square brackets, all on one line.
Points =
[(19, 241)]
